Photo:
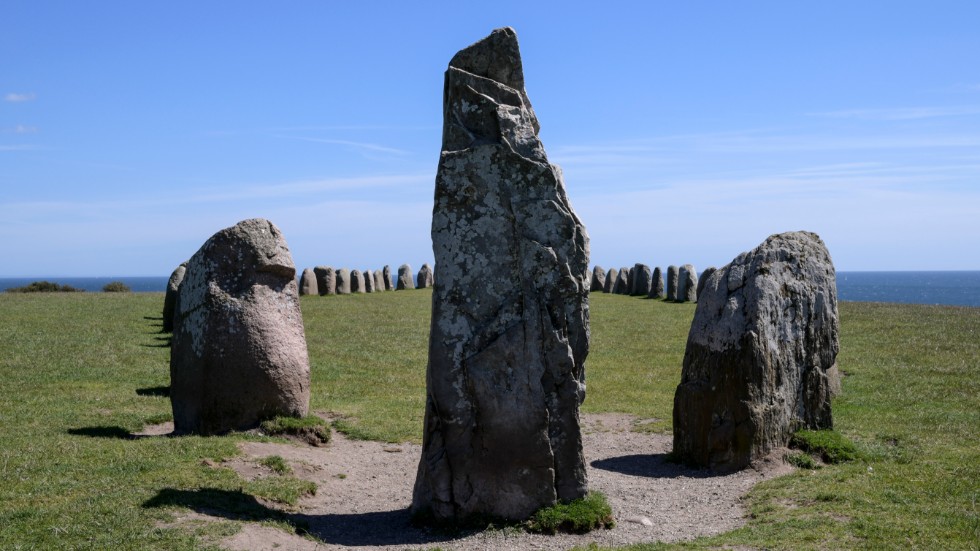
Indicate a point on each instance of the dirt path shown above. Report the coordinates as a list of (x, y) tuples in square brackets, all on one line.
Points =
[(365, 489)]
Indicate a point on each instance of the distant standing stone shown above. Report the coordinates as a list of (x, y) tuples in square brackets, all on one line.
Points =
[(687, 284), (356, 281), (170, 298), (405, 278), (610, 284), (379, 281), (704, 277), (598, 282), (672, 276), (342, 276), (761, 354), (657, 284), (368, 281), (425, 277), (622, 282), (642, 279), (307, 283), (238, 353), (506, 354), (326, 282), (389, 282)]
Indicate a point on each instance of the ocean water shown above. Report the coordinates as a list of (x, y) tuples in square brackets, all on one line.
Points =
[(949, 288)]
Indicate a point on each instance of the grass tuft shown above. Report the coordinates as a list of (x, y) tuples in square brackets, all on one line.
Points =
[(277, 464), (802, 460), (577, 517), (830, 446), (311, 429)]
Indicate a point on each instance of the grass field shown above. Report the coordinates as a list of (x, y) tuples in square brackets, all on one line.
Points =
[(80, 372)]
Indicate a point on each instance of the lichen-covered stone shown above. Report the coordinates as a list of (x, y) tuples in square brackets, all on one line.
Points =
[(238, 353), (406, 280), (425, 277), (326, 282), (610, 285), (642, 278), (598, 282), (343, 280), (672, 276), (687, 284), (307, 283), (657, 284), (170, 298), (510, 332), (761, 354)]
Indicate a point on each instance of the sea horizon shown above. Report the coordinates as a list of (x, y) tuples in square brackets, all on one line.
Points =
[(931, 287)]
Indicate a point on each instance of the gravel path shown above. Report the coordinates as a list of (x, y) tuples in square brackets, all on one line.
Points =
[(365, 489)]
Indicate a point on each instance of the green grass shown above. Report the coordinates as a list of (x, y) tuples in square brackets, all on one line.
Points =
[(592, 512), (830, 446), (277, 464), (79, 372), (311, 428)]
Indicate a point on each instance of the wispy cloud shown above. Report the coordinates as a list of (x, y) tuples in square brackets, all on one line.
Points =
[(363, 146), (21, 129), (903, 113), (14, 97)]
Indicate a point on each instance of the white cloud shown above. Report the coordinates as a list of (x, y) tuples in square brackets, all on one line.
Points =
[(363, 146), (19, 98)]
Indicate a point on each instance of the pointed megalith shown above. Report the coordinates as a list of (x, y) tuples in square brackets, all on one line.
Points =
[(170, 298), (598, 279), (761, 354), (657, 284), (687, 284), (610, 284), (238, 353), (510, 312), (405, 278), (388, 280), (672, 276)]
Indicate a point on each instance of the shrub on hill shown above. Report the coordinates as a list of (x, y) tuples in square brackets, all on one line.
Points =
[(116, 287), (45, 287)]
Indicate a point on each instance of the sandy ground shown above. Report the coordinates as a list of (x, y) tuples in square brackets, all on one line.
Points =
[(365, 489)]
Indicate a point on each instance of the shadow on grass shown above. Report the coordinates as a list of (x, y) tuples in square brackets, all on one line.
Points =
[(162, 391), (153, 318), (164, 344), (652, 466), (373, 528), (103, 432)]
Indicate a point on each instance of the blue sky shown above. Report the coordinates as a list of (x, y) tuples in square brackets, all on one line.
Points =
[(687, 132)]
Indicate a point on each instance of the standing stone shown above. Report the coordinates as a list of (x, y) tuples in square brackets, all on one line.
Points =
[(425, 277), (510, 313), (379, 281), (657, 284), (389, 282), (642, 279), (368, 281), (238, 353), (672, 277), (598, 283), (629, 282), (704, 277), (325, 282), (356, 281), (405, 280), (170, 298), (342, 277), (610, 284), (761, 354), (307, 283), (687, 284), (622, 286)]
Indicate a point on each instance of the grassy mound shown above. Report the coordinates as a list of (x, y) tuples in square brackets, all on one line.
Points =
[(577, 517), (311, 429)]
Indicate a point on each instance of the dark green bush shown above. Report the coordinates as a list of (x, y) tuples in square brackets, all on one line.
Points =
[(577, 517), (45, 287), (116, 287)]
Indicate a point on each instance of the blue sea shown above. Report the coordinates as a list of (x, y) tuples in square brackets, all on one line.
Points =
[(949, 288)]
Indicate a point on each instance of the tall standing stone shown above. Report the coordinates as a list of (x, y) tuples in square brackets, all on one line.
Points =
[(307, 283), (598, 283), (326, 283), (610, 285), (703, 279), (510, 312), (356, 281), (622, 286), (672, 276), (170, 298), (642, 278), (379, 281), (342, 277), (368, 281), (405, 278), (389, 282), (657, 284), (238, 353), (687, 284), (425, 277), (761, 354)]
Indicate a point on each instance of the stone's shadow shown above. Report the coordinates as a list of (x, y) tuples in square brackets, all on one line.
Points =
[(373, 528), (652, 466), (165, 344), (153, 318), (103, 432), (162, 391)]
